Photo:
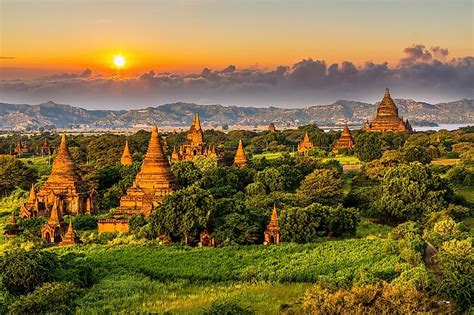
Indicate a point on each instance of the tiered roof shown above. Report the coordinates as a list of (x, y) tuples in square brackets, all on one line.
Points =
[(240, 158)]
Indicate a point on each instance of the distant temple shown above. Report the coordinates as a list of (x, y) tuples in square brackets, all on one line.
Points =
[(195, 144), (126, 158), (154, 181), (345, 141), (12, 229), (305, 144), (21, 147), (272, 127), (52, 230), (70, 238), (240, 159), (63, 187), (272, 233), (387, 118), (45, 148)]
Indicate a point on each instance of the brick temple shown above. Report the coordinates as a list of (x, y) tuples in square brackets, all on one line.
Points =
[(305, 144), (240, 159), (387, 118), (345, 141)]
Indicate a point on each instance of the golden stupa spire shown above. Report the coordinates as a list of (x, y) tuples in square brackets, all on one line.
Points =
[(64, 168), (274, 217), (345, 130), (240, 157), (55, 216), (196, 121), (32, 196), (126, 158)]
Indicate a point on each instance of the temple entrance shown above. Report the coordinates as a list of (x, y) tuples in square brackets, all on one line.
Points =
[(47, 236)]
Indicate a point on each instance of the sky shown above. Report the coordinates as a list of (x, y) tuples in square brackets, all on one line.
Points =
[(234, 52)]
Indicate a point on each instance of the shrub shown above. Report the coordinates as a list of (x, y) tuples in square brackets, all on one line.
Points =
[(84, 222), (55, 297), (417, 278), (460, 175), (227, 308), (322, 186), (22, 271), (417, 153), (381, 298), (456, 277)]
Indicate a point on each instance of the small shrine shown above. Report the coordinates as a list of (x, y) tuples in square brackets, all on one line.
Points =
[(240, 159), (345, 141), (305, 144), (126, 158), (272, 233)]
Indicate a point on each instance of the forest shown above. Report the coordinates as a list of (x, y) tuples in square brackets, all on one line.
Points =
[(385, 227)]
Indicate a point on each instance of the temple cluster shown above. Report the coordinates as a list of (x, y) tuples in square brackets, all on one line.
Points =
[(64, 192)]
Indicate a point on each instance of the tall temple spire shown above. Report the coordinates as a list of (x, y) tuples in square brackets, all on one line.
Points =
[(126, 158), (345, 141), (32, 196), (55, 217), (240, 159), (272, 233), (64, 168), (196, 121), (305, 144)]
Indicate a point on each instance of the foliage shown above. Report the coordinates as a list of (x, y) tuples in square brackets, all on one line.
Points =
[(55, 297), (417, 153), (185, 173), (369, 146), (411, 192), (460, 175), (322, 186), (380, 298), (13, 174), (227, 308), (22, 271), (405, 239), (456, 263), (84, 222), (30, 228)]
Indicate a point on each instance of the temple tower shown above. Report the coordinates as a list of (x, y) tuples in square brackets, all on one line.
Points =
[(52, 230), (272, 233), (305, 144), (345, 141), (387, 118), (240, 159), (64, 183), (271, 127), (126, 158), (70, 238)]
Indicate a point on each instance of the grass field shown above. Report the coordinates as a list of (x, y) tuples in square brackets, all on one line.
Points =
[(41, 164), (186, 280), (341, 158)]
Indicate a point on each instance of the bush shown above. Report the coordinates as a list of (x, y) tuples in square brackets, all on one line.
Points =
[(84, 222), (381, 298), (58, 298), (460, 175), (456, 277), (322, 186), (405, 239), (417, 153), (22, 271), (227, 308)]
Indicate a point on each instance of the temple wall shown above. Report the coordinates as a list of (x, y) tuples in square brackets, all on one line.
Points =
[(113, 226)]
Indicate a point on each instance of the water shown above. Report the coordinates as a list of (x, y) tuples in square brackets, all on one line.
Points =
[(441, 126)]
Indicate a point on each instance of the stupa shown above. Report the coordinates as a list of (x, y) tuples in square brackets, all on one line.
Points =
[(64, 184), (345, 141), (154, 181), (45, 148), (271, 127), (387, 118), (272, 233), (305, 144), (195, 144), (126, 158), (240, 159), (52, 230), (70, 238)]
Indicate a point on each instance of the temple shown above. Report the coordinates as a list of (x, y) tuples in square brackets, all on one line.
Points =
[(271, 127), (387, 118), (52, 230), (12, 229), (70, 238), (305, 144), (154, 181), (240, 159), (21, 148), (345, 141), (272, 233), (45, 148), (64, 186), (195, 144), (126, 158)]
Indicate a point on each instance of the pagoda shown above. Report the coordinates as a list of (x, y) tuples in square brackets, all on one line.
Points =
[(305, 144), (154, 181), (65, 184), (70, 238), (126, 158), (271, 127), (240, 159), (52, 230), (345, 141), (272, 233), (387, 118), (174, 155), (45, 148), (12, 229), (195, 144), (21, 148)]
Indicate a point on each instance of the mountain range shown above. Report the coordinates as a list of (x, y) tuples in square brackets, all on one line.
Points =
[(24, 116)]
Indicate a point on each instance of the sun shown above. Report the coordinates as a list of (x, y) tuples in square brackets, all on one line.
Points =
[(119, 61)]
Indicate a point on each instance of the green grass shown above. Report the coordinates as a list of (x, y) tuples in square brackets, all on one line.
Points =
[(341, 158), (345, 159), (271, 155), (467, 192), (366, 228), (40, 164), (155, 278)]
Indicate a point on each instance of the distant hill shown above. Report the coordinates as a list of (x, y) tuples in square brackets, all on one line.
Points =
[(21, 116)]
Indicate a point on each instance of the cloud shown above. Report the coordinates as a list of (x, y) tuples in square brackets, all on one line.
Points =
[(422, 74)]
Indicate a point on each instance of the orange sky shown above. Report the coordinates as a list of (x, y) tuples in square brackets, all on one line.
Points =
[(187, 35)]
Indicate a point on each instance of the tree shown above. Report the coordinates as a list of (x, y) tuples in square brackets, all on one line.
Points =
[(22, 271), (13, 173), (368, 146), (322, 186), (302, 225), (410, 192), (417, 153), (376, 169), (183, 214), (185, 173)]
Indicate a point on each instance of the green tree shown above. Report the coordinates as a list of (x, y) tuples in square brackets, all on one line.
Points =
[(410, 192), (417, 153), (323, 186), (13, 173), (368, 146), (185, 173)]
